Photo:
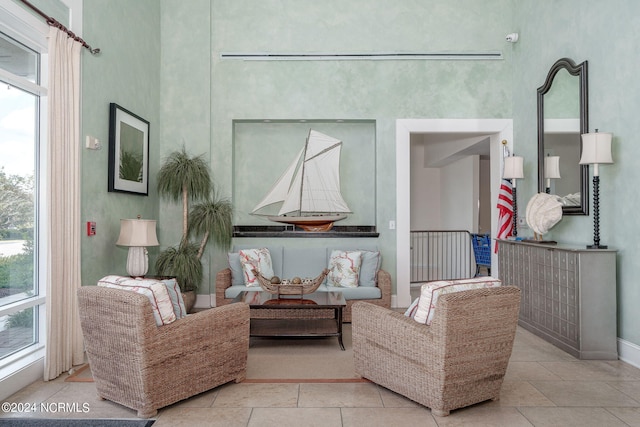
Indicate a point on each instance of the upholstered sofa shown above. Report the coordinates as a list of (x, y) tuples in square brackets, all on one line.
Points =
[(374, 283)]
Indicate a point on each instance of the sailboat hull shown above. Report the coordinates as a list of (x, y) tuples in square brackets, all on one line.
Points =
[(310, 223)]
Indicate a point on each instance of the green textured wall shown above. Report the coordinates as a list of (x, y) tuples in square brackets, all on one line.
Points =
[(203, 94), (191, 96), (125, 72), (604, 34)]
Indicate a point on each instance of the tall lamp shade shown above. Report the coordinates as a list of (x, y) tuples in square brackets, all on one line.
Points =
[(513, 168), (551, 170), (596, 150), (137, 234)]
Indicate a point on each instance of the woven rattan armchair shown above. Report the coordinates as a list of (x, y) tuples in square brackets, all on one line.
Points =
[(458, 360), (146, 367)]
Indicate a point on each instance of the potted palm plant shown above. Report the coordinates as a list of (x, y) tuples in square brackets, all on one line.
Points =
[(183, 178)]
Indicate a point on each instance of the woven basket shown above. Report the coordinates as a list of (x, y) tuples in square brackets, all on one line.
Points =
[(306, 287)]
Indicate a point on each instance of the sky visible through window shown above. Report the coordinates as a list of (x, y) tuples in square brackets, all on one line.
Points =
[(17, 131)]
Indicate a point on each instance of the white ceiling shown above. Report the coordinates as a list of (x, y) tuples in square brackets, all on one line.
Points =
[(457, 146)]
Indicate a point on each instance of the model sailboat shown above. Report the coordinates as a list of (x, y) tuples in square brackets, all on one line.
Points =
[(309, 189)]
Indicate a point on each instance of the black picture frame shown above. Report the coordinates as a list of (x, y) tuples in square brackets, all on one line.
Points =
[(128, 152)]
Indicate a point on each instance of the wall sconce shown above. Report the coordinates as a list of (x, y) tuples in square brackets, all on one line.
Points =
[(596, 150), (551, 170), (513, 170), (137, 234)]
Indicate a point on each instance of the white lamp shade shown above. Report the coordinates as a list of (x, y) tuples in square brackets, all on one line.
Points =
[(552, 167), (137, 232), (513, 167), (596, 148)]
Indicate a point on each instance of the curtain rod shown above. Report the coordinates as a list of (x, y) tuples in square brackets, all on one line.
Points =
[(54, 23)]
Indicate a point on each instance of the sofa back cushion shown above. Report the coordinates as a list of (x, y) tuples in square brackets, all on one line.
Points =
[(303, 262), (369, 268)]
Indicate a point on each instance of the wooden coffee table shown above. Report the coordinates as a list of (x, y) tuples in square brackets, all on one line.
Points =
[(279, 322)]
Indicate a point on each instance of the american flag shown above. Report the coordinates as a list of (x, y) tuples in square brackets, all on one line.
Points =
[(505, 211)]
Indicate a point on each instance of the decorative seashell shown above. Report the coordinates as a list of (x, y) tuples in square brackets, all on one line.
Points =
[(543, 212), (275, 280), (296, 280)]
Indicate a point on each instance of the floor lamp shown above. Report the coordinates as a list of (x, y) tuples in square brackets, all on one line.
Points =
[(596, 150), (137, 234), (551, 171), (513, 170)]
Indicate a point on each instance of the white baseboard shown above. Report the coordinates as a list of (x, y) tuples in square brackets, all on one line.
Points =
[(629, 352), (21, 378), (394, 301)]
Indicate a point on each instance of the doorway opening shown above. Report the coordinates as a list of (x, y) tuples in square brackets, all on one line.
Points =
[(468, 133)]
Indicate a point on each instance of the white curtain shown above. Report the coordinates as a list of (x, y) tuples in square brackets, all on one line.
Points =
[(64, 347)]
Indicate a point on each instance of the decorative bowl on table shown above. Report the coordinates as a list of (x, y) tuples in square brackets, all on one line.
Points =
[(295, 286)]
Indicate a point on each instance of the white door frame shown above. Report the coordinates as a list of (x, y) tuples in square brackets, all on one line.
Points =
[(497, 129)]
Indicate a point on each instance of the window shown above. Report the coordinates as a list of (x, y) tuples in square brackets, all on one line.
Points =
[(22, 105)]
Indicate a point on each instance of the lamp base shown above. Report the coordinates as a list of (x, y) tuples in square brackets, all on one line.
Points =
[(597, 247), (137, 261)]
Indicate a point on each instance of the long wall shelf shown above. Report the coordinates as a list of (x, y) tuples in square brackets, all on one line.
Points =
[(287, 231)]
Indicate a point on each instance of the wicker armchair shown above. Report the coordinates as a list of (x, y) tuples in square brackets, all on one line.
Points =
[(223, 281), (145, 367), (458, 360)]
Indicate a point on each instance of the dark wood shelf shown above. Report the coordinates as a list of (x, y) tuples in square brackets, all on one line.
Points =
[(287, 231), (294, 328)]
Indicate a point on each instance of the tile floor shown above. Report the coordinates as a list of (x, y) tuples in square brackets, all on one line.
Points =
[(543, 387)]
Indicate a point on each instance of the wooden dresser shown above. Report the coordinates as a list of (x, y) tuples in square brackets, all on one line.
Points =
[(568, 295)]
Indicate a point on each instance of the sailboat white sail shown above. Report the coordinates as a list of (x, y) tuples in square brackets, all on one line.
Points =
[(309, 189)]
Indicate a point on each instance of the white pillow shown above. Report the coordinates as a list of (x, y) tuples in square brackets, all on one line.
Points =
[(344, 268), (258, 259), (429, 293), (411, 311), (153, 289)]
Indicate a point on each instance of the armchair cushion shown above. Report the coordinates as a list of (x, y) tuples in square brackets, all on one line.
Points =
[(175, 294), (154, 290), (422, 310)]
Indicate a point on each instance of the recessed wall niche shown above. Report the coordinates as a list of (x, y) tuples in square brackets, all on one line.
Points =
[(263, 149)]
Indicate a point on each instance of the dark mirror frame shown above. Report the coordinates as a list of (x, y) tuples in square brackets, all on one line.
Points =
[(579, 71)]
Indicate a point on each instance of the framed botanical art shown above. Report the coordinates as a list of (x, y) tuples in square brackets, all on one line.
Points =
[(128, 152)]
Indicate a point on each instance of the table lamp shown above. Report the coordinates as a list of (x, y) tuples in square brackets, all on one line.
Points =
[(513, 169), (596, 150), (137, 234)]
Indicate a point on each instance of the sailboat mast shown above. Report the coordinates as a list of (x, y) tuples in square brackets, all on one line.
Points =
[(304, 160)]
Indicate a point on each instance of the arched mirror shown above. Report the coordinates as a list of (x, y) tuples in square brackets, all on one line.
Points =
[(562, 118)]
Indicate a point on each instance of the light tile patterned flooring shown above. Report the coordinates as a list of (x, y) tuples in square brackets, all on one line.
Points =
[(543, 387)]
